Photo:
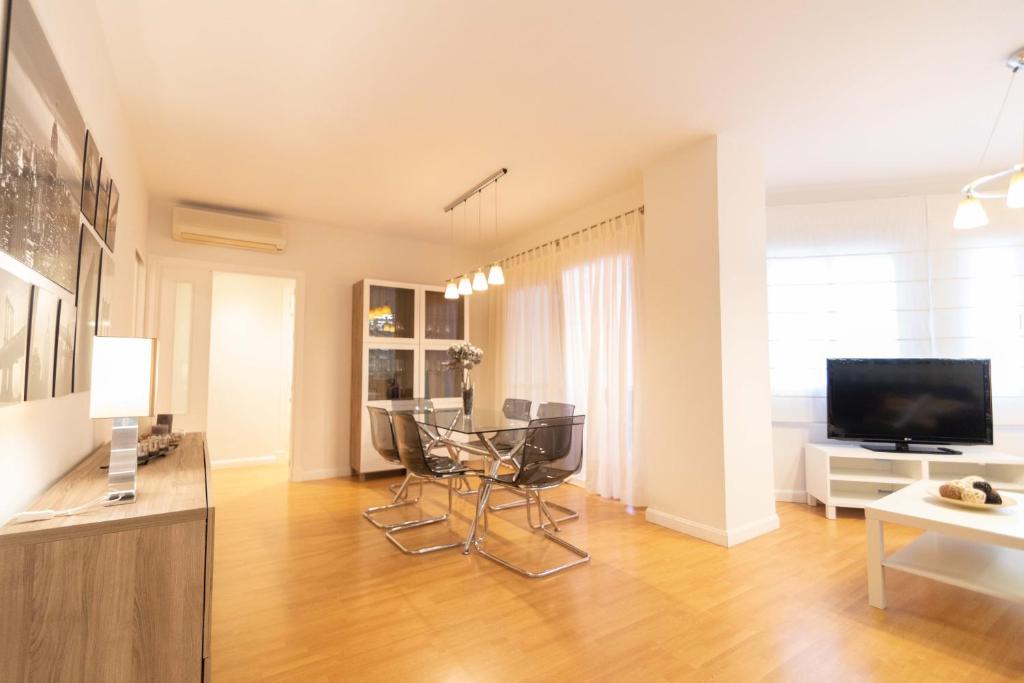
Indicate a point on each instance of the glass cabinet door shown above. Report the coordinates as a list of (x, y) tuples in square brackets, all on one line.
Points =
[(443, 318), (391, 374), (438, 380), (392, 312)]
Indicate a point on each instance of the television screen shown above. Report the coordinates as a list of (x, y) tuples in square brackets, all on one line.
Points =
[(910, 400)]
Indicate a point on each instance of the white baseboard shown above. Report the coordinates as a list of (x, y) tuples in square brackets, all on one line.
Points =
[(311, 475), (244, 462), (722, 537), (790, 496)]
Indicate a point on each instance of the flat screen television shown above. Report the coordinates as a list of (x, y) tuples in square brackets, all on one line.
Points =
[(893, 403)]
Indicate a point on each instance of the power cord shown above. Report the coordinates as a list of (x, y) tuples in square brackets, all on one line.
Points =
[(39, 515)]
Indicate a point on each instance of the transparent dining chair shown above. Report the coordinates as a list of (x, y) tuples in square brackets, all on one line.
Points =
[(383, 437), (419, 463), (546, 409), (551, 453)]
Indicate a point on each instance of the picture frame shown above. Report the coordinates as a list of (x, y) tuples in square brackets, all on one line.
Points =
[(15, 302), (64, 363), (41, 155), (87, 304), (42, 343), (90, 179)]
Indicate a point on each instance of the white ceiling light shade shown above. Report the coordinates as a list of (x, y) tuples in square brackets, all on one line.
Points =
[(465, 286), (970, 214), (495, 275), (451, 290), (1015, 195), (480, 281)]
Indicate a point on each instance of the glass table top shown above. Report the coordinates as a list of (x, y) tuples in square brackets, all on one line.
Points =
[(482, 420)]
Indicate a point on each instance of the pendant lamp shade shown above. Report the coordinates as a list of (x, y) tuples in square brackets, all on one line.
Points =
[(465, 286), (495, 276)]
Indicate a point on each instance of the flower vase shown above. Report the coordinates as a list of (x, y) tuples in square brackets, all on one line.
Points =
[(467, 393)]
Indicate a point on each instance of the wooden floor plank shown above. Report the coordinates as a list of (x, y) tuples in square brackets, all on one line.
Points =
[(306, 589)]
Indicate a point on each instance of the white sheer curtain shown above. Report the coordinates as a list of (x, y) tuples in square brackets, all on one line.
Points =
[(565, 329)]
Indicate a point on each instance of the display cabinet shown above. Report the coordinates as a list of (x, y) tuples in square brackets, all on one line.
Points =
[(400, 338)]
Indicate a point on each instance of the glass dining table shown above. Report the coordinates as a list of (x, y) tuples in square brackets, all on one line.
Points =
[(486, 425)]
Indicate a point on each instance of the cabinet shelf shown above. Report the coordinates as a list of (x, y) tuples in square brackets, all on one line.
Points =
[(870, 476)]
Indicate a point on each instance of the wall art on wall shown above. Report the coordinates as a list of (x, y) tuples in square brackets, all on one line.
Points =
[(15, 298), (87, 303), (42, 340), (102, 200), (91, 179), (106, 295), (63, 374), (115, 199), (41, 155)]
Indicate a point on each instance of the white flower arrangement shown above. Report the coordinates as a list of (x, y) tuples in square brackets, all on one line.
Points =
[(464, 356)]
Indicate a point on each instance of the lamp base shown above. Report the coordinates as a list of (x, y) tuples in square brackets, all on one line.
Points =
[(124, 466)]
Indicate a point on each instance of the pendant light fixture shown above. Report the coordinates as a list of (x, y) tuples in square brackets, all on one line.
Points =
[(495, 275), (464, 285), (970, 213), (451, 290), (479, 279)]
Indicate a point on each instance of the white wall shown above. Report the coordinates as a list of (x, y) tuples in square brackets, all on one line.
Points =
[(705, 404), (41, 440), (251, 329), (889, 277), (331, 260)]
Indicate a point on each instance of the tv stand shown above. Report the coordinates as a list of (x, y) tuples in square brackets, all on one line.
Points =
[(900, 447), (844, 475)]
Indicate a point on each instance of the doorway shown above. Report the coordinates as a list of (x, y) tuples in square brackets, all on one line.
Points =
[(249, 391)]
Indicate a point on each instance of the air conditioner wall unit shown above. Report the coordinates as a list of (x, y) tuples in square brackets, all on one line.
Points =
[(217, 228)]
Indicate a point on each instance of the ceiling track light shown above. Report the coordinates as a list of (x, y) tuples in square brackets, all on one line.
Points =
[(970, 213)]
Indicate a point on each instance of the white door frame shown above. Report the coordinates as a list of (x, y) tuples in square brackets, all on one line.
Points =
[(157, 264)]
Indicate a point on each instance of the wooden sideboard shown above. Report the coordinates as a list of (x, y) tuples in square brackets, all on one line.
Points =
[(119, 593)]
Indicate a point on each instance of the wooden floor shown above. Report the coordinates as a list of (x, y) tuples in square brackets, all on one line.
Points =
[(306, 590)]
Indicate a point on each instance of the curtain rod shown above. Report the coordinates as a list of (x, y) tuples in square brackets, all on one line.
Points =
[(557, 240)]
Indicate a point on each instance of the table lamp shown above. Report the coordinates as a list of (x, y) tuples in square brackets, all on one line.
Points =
[(123, 370)]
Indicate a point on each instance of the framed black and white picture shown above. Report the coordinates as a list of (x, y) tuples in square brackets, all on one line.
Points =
[(41, 155), (42, 340), (63, 374), (102, 201), (115, 198), (106, 295), (87, 303), (15, 301), (91, 179)]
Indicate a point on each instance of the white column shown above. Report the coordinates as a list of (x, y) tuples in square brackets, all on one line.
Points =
[(706, 403)]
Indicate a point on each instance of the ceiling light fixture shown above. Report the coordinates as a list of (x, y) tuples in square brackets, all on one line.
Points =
[(494, 275), (970, 213)]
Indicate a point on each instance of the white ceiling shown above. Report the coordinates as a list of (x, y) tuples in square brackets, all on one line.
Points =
[(373, 115)]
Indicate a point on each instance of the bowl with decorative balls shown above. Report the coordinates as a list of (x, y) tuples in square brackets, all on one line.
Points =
[(975, 493)]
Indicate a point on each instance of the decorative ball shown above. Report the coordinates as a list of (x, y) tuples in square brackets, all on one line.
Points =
[(948, 490), (993, 498), (973, 478), (972, 496), (983, 486)]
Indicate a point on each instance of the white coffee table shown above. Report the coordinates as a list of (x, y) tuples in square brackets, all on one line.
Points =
[(978, 550)]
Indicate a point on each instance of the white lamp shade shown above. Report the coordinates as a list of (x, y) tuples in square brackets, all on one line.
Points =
[(1015, 195), (969, 214), (451, 291), (496, 276), (465, 286), (123, 369), (480, 281)]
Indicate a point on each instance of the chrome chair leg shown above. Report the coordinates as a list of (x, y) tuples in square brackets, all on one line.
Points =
[(568, 516), (392, 532), (401, 499), (582, 555)]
